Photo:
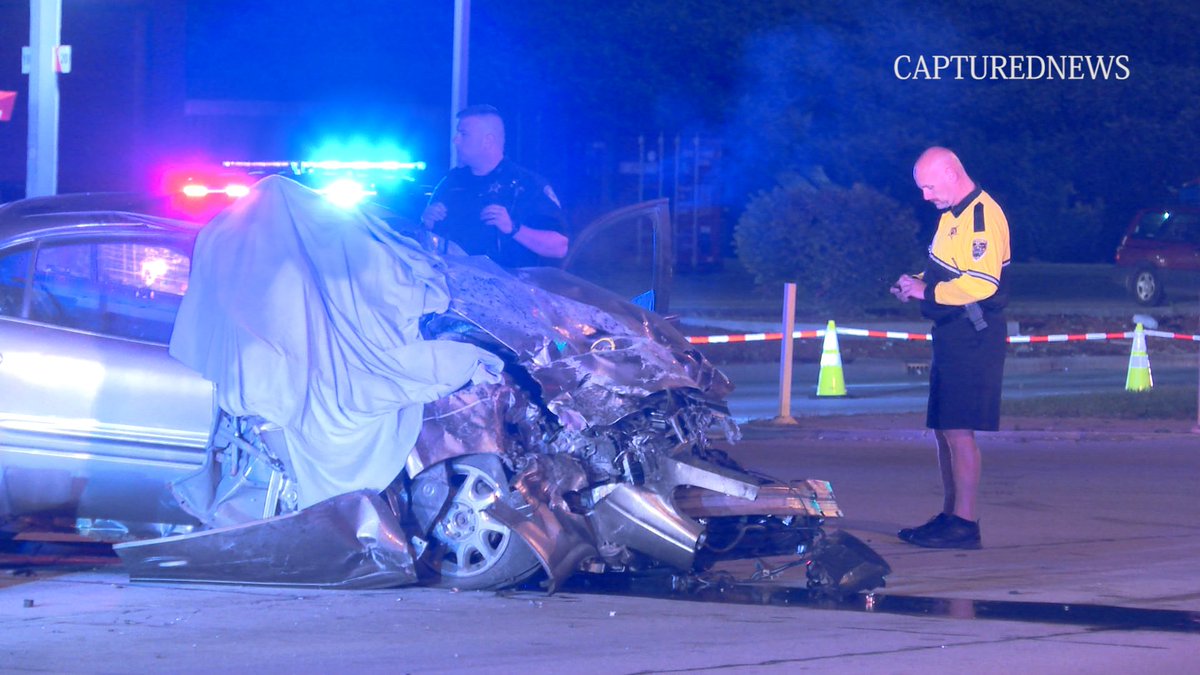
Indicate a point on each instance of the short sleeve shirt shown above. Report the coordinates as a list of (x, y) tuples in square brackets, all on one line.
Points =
[(967, 258), (530, 201)]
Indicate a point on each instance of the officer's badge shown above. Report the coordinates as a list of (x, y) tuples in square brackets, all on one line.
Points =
[(551, 196), (978, 248)]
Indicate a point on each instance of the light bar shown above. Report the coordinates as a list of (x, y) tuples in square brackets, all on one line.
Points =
[(329, 165), (346, 192), (198, 191), (236, 190)]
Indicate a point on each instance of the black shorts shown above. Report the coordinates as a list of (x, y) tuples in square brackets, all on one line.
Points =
[(966, 375)]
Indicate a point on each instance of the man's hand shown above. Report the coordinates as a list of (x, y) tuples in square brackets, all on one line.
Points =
[(907, 288), (497, 216), (434, 213)]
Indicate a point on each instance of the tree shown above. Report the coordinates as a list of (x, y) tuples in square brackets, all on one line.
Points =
[(794, 85), (843, 246), (1070, 160)]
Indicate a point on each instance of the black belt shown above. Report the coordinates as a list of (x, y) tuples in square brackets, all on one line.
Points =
[(971, 312)]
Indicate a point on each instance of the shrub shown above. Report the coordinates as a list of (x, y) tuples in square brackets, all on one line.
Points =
[(842, 246)]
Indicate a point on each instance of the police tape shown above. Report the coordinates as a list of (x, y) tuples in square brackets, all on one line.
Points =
[(896, 335), (1164, 334)]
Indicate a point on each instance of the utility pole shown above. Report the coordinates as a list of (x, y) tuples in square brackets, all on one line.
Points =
[(459, 69), (45, 30)]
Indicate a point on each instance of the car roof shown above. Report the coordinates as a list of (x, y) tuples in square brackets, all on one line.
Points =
[(24, 218)]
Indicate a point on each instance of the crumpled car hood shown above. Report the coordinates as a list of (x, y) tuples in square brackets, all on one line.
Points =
[(595, 355)]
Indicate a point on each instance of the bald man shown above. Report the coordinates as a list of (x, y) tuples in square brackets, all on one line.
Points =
[(963, 290), (491, 206)]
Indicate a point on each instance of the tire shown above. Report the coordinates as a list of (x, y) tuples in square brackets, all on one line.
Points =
[(469, 550), (1146, 286)]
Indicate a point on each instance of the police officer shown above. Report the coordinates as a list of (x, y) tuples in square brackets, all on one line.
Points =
[(491, 206), (963, 290)]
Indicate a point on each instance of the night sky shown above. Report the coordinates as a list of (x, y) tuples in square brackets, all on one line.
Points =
[(784, 85)]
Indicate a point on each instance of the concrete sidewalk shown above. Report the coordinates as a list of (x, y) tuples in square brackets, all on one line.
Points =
[(1076, 516)]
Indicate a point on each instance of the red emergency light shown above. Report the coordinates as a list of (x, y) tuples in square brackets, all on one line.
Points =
[(200, 191), (8, 100)]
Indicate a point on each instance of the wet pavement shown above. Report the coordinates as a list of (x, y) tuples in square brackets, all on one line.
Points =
[(724, 589), (1088, 565)]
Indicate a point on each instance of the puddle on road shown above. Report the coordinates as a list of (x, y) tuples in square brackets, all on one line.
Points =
[(735, 593)]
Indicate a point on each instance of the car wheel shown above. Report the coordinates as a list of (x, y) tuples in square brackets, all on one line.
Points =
[(1147, 286), (470, 550)]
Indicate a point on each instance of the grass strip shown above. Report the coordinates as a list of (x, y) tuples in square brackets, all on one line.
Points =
[(1161, 402)]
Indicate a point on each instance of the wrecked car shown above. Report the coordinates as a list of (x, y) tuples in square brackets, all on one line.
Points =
[(298, 394)]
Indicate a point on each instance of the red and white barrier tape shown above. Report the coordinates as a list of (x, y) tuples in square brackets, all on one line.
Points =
[(896, 335), (886, 334), (1072, 337), (751, 337), (1164, 334)]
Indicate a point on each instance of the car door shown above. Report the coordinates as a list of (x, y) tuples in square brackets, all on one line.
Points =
[(95, 417), (628, 251)]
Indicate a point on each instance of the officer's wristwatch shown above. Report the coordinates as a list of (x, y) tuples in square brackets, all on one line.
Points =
[(516, 227)]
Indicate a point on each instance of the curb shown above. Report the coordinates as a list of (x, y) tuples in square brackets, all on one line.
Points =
[(910, 427)]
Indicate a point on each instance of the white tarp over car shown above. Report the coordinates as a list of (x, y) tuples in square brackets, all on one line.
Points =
[(307, 315)]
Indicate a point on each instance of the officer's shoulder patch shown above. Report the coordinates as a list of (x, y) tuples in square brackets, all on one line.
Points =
[(551, 196), (978, 248)]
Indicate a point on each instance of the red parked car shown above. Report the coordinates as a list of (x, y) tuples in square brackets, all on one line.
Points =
[(1161, 248)]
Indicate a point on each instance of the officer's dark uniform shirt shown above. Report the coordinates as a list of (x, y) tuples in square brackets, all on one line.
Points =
[(527, 196)]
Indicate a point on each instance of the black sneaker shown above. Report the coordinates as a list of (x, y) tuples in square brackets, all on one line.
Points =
[(955, 533), (933, 523)]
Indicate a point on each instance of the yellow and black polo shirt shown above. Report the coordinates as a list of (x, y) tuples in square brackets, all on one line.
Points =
[(967, 258)]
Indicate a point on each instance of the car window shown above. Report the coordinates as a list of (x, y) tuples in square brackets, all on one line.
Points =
[(1150, 225), (1182, 227), (14, 275), (1169, 226), (127, 289)]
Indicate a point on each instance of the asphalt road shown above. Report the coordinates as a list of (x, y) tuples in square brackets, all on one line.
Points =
[(1088, 566)]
